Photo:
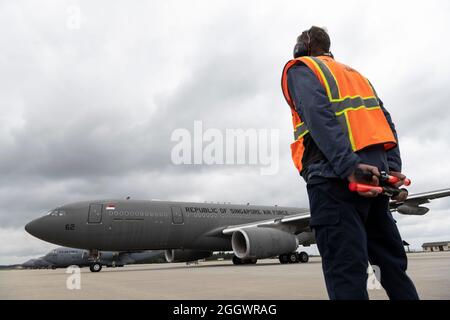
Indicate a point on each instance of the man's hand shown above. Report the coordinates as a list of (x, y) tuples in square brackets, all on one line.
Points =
[(376, 173), (399, 175), (402, 196)]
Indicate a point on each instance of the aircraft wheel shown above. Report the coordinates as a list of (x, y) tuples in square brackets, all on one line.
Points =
[(283, 258), (303, 257), (293, 257), (237, 261), (250, 261), (95, 267)]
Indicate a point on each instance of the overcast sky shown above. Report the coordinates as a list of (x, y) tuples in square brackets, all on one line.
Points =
[(88, 104)]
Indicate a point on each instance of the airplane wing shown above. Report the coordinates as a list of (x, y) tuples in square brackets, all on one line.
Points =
[(299, 223), (412, 205)]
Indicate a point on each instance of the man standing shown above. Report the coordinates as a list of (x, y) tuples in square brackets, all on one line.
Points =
[(340, 125)]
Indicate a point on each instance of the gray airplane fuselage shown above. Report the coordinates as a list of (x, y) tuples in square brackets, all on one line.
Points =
[(130, 225)]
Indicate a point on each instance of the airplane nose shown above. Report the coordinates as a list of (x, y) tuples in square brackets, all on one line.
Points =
[(35, 228)]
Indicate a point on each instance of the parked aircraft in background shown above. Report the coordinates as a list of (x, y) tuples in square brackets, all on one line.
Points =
[(63, 257)]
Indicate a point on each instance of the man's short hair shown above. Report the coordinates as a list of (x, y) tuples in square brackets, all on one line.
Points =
[(319, 39)]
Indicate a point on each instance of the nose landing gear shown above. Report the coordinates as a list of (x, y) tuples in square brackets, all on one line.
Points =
[(95, 267), (94, 257)]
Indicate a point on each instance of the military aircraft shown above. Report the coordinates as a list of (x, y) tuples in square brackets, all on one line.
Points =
[(189, 231), (63, 257)]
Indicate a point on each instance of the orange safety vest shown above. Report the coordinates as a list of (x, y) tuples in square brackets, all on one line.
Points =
[(354, 102)]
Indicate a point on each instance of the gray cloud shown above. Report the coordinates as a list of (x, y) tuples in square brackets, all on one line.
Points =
[(88, 113)]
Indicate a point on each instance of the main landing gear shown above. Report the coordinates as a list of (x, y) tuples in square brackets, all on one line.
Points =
[(294, 257), (239, 261)]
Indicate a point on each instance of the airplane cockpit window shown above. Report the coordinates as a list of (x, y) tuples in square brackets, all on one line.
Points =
[(56, 213)]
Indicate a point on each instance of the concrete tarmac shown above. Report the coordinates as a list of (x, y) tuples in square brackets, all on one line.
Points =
[(268, 279)]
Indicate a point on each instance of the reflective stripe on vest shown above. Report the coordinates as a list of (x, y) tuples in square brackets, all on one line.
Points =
[(300, 131)]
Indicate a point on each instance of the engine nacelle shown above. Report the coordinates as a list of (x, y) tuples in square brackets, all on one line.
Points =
[(262, 243), (412, 210), (306, 238), (179, 255)]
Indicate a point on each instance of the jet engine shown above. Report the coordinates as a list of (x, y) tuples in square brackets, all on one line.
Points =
[(412, 210), (306, 238), (262, 243), (179, 255)]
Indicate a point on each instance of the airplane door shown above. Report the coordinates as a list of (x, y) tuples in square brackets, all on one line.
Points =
[(95, 213), (177, 215)]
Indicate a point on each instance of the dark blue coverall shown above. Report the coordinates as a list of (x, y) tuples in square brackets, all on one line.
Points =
[(350, 230)]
